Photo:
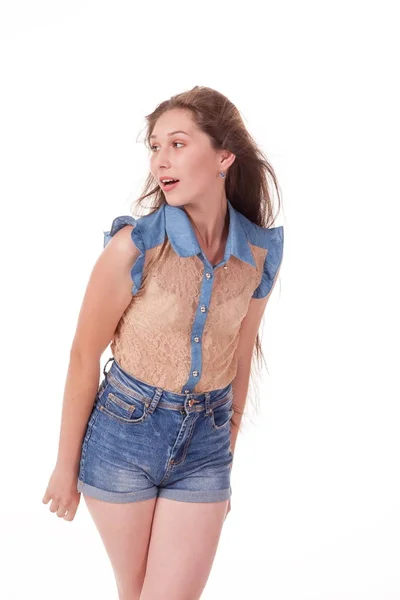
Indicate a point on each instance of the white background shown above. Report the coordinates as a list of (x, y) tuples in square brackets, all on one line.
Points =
[(316, 488)]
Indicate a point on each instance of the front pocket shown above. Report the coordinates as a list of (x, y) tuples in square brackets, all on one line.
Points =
[(113, 399), (124, 408), (221, 415)]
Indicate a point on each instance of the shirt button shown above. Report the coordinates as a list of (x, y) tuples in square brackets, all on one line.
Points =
[(203, 308), (208, 275), (225, 267), (187, 391), (195, 373), (196, 339)]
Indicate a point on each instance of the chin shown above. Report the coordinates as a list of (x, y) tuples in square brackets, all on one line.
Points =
[(174, 200)]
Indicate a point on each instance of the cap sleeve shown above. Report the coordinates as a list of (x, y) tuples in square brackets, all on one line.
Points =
[(136, 235), (273, 259)]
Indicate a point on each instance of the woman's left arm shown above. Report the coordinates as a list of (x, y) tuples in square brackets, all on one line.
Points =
[(247, 338)]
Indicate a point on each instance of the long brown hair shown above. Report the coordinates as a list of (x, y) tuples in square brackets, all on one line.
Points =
[(246, 182)]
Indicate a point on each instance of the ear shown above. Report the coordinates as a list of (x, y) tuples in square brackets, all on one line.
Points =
[(226, 159)]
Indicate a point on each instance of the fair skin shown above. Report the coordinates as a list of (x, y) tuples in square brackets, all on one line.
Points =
[(158, 548)]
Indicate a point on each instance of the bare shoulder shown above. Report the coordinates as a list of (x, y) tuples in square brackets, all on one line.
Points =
[(122, 242), (107, 295), (116, 260)]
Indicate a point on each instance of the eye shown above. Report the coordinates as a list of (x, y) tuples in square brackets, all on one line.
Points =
[(154, 145)]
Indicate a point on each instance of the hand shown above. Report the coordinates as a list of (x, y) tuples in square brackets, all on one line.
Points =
[(62, 492)]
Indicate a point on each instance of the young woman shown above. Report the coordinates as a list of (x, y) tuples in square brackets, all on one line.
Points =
[(179, 293)]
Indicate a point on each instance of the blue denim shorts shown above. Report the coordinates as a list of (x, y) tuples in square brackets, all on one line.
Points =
[(143, 441)]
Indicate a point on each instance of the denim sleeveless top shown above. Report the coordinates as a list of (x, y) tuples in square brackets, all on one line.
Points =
[(181, 328)]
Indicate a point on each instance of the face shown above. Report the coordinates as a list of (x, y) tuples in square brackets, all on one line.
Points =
[(187, 156)]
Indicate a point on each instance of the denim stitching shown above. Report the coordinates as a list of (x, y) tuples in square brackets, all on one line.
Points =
[(112, 398), (122, 419), (189, 438), (168, 405), (129, 392)]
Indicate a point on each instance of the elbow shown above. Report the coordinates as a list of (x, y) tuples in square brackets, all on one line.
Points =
[(84, 356)]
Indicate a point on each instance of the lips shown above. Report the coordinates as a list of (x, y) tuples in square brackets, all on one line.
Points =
[(169, 186)]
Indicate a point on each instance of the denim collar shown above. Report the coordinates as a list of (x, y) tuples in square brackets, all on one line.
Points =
[(183, 239)]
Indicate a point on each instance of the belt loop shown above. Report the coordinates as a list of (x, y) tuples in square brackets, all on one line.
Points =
[(104, 368), (154, 402), (207, 403)]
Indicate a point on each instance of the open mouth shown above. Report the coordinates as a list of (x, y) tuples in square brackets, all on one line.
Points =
[(169, 185)]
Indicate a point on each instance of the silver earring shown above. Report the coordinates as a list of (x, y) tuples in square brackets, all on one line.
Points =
[(222, 174)]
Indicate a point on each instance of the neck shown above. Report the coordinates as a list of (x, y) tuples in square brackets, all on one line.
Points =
[(211, 221)]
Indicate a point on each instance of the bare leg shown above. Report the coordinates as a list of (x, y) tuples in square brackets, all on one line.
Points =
[(125, 531), (183, 544)]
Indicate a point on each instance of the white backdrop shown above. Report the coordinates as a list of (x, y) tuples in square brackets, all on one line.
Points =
[(316, 488)]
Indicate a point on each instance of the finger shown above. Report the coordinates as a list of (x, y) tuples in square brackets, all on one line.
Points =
[(70, 515), (46, 497), (61, 511), (73, 508), (54, 505)]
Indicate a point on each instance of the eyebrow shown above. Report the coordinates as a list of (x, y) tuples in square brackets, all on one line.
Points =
[(171, 133)]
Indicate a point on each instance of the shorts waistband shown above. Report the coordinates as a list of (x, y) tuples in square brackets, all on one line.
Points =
[(154, 395)]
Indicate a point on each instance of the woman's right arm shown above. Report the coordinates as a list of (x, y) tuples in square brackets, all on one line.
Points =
[(108, 293)]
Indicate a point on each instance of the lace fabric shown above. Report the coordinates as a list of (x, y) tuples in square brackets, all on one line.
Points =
[(153, 338)]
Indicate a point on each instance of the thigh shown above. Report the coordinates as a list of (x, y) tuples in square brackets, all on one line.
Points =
[(183, 544), (125, 531)]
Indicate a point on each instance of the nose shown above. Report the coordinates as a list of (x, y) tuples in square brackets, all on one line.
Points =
[(161, 158)]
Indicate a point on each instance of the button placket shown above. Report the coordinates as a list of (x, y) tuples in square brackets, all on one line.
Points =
[(203, 309)]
